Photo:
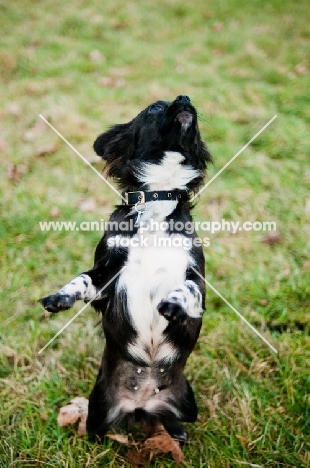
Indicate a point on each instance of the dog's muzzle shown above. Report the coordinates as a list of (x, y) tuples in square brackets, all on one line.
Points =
[(185, 118)]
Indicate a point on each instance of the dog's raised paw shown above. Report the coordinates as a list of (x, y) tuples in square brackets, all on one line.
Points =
[(56, 302), (172, 311)]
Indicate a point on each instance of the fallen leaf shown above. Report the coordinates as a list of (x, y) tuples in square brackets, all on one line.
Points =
[(217, 26), (307, 208), (164, 443), (122, 439), (82, 427), (160, 442), (301, 69), (109, 82), (50, 148), (15, 172), (55, 212), (272, 238), (36, 130), (14, 108), (96, 56), (68, 414), (76, 410), (139, 458), (88, 205)]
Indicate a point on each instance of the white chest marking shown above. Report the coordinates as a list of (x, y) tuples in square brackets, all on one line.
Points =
[(168, 175), (151, 273)]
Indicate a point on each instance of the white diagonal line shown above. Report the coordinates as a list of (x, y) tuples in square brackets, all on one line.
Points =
[(82, 157), (80, 311), (236, 311), (234, 157)]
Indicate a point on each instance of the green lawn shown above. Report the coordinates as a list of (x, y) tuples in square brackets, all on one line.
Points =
[(86, 65)]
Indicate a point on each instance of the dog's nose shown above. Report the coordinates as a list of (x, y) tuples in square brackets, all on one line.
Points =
[(184, 99)]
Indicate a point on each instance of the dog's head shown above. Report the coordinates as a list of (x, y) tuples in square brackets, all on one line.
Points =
[(160, 149)]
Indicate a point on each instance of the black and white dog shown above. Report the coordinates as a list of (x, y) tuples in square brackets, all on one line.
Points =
[(152, 310)]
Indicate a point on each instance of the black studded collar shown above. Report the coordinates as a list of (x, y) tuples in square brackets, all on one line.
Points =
[(140, 197)]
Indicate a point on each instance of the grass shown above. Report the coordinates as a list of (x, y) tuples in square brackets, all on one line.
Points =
[(87, 65)]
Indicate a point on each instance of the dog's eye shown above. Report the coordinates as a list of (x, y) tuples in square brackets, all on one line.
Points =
[(155, 108)]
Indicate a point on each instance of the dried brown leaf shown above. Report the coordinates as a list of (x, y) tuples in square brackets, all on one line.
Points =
[(164, 443), (82, 404), (15, 172), (50, 148), (272, 238), (121, 438), (177, 454), (76, 410), (111, 82), (301, 68), (14, 108), (55, 212), (159, 442), (96, 56), (217, 26), (139, 458), (88, 205), (68, 414), (37, 129), (82, 426)]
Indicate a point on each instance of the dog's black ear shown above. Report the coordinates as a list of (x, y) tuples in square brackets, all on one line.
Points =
[(204, 154), (115, 146)]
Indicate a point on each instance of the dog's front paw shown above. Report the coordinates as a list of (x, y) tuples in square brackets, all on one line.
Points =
[(57, 302), (172, 311)]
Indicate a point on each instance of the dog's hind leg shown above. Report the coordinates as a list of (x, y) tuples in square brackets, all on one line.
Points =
[(97, 420), (176, 430), (185, 405)]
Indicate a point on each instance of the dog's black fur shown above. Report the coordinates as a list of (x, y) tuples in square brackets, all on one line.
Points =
[(151, 312)]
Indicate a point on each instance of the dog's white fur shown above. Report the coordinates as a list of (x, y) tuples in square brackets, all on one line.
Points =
[(169, 174)]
